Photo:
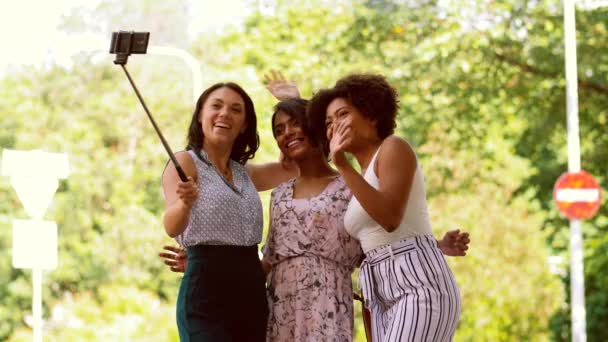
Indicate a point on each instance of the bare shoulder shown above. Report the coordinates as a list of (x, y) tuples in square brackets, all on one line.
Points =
[(184, 157), (397, 149), (185, 161)]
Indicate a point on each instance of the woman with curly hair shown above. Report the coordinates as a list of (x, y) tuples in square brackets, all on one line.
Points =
[(406, 282)]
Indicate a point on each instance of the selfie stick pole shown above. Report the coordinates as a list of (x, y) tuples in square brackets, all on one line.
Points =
[(180, 171)]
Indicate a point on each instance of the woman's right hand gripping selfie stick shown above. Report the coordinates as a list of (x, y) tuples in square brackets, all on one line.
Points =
[(123, 44)]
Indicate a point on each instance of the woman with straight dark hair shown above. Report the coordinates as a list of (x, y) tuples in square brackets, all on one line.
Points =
[(309, 255)]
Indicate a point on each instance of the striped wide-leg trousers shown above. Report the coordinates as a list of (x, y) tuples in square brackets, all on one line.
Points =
[(410, 291)]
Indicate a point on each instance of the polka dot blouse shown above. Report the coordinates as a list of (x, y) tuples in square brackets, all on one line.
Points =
[(224, 213)]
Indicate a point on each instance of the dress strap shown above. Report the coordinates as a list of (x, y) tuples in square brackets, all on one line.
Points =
[(372, 163)]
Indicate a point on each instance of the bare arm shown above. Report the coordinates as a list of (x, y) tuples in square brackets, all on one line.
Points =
[(395, 168), (270, 175), (179, 196)]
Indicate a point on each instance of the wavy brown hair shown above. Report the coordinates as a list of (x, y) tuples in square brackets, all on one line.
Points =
[(246, 144)]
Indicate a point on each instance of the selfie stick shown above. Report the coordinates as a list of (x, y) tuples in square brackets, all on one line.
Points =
[(121, 59)]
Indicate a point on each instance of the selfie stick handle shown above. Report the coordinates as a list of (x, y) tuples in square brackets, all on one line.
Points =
[(180, 171)]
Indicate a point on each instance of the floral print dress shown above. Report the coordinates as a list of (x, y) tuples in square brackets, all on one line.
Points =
[(309, 288)]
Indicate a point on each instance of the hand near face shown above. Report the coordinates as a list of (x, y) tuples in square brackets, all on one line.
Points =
[(279, 87), (454, 243), (174, 257), (187, 192), (339, 139)]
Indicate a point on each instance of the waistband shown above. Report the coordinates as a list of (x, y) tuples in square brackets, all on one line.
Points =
[(386, 252), (311, 258), (222, 251), (382, 253)]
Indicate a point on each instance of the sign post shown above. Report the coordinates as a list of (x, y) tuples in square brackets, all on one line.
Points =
[(34, 176), (577, 198), (577, 280)]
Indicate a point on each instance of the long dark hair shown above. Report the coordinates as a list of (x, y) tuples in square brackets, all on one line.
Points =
[(295, 108), (246, 144)]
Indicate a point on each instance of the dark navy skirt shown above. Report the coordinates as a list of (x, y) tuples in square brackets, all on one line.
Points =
[(222, 296)]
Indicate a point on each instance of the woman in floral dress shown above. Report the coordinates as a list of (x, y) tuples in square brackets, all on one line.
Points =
[(311, 256)]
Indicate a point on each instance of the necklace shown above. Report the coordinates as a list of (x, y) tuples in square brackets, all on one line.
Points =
[(226, 173)]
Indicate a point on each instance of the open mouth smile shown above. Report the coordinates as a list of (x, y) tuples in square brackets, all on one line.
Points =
[(222, 125), (294, 142)]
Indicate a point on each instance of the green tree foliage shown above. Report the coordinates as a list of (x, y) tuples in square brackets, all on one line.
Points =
[(126, 314), (482, 100), (108, 209)]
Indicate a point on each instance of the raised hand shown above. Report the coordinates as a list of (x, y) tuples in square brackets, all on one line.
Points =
[(174, 257), (454, 243), (279, 87), (339, 140)]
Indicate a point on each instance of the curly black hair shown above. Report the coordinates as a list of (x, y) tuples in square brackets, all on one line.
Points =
[(371, 94), (246, 144)]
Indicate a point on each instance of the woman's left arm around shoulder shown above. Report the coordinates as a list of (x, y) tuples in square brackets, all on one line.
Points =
[(269, 175)]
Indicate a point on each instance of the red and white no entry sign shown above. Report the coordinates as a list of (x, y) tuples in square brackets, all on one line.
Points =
[(577, 195)]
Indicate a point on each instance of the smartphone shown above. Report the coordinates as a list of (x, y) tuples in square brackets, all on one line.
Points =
[(128, 42)]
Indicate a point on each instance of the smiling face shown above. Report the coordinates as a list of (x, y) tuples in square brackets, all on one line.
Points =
[(290, 137), (362, 129), (222, 116), (367, 98)]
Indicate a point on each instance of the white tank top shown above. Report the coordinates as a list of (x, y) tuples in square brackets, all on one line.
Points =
[(415, 221)]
